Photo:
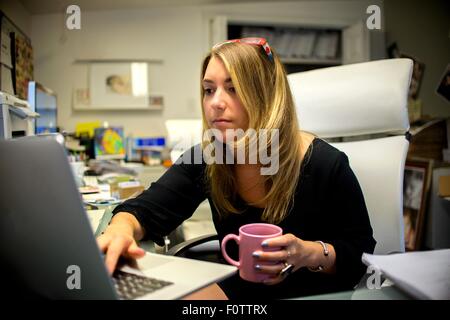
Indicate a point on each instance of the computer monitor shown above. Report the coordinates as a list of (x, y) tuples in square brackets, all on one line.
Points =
[(109, 143), (43, 101)]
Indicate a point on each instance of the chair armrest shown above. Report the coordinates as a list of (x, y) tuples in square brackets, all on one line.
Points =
[(181, 248)]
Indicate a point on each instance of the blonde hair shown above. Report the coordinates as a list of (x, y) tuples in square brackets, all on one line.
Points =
[(263, 89)]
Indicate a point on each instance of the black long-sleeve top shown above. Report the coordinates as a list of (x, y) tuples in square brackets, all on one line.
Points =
[(328, 206)]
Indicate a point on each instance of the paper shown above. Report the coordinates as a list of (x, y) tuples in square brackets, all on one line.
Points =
[(6, 79), (422, 274), (95, 217), (5, 54)]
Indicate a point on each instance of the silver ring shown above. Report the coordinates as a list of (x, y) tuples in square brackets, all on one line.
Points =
[(287, 269)]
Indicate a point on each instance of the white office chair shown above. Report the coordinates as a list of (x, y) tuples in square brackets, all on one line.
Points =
[(361, 100), (182, 134)]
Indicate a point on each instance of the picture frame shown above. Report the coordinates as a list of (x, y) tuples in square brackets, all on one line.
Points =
[(119, 85), (416, 186), (24, 68), (113, 84), (417, 75), (443, 89)]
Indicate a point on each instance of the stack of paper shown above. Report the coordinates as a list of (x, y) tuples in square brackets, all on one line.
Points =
[(422, 274)]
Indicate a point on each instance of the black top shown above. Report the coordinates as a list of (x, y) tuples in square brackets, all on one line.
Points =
[(328, 206)]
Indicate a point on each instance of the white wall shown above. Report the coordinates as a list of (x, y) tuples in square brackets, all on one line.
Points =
[(178, 36), (170, 35), (17, 13)]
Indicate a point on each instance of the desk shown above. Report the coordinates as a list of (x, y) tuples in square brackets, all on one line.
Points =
[(384, 293)]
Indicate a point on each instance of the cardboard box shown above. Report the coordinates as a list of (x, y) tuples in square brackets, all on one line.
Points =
[(444, 186), (128, 190)]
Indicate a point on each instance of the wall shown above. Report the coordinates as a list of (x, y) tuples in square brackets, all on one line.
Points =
[(15, 11), (422, 29), (170, 35), (178, 36)]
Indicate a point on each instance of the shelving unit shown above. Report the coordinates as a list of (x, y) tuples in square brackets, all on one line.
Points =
[(300, 48), (314, 61), (351, 41)]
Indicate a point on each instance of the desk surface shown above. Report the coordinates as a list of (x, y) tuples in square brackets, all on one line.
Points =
[(384, 293)]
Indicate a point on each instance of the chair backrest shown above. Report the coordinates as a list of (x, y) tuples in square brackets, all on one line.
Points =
[(364, 100), (183, 134)]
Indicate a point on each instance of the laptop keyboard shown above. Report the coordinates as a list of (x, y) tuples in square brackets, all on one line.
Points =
[(131, 286)]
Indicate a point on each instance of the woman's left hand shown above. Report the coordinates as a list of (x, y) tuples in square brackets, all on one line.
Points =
[(292, 251)]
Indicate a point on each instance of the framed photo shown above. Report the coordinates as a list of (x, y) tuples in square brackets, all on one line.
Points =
[(444, 85), (416, 184), (416, 79), (121, 85)]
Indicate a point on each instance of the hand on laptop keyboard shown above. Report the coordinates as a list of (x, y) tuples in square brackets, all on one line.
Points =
[(118, 240)]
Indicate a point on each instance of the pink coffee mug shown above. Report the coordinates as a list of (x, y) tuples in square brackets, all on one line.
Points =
[(249, 240)]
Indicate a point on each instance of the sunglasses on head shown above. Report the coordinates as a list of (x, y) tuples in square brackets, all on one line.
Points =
[(252, 41)]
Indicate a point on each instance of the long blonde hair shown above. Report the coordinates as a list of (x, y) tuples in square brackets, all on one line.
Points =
[(263, 89)]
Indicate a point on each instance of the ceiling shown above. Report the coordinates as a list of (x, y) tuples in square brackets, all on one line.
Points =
[(56, 6)]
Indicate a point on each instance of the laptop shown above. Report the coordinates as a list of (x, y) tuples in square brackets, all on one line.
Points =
[(47, 239)]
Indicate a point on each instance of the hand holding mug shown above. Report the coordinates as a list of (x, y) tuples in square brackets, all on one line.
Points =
[(289, 255), (268, 256), (251, 236)]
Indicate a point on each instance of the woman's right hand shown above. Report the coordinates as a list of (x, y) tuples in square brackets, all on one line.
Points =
[(118, 240)]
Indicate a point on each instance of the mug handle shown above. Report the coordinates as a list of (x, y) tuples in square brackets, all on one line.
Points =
[(223, 248)]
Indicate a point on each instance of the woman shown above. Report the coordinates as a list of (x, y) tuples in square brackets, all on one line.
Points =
[(312, 194)]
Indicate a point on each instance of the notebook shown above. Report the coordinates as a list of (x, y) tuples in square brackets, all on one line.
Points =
[(47, 239)]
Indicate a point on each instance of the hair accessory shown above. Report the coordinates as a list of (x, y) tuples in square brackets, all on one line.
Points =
[(252, 41)]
